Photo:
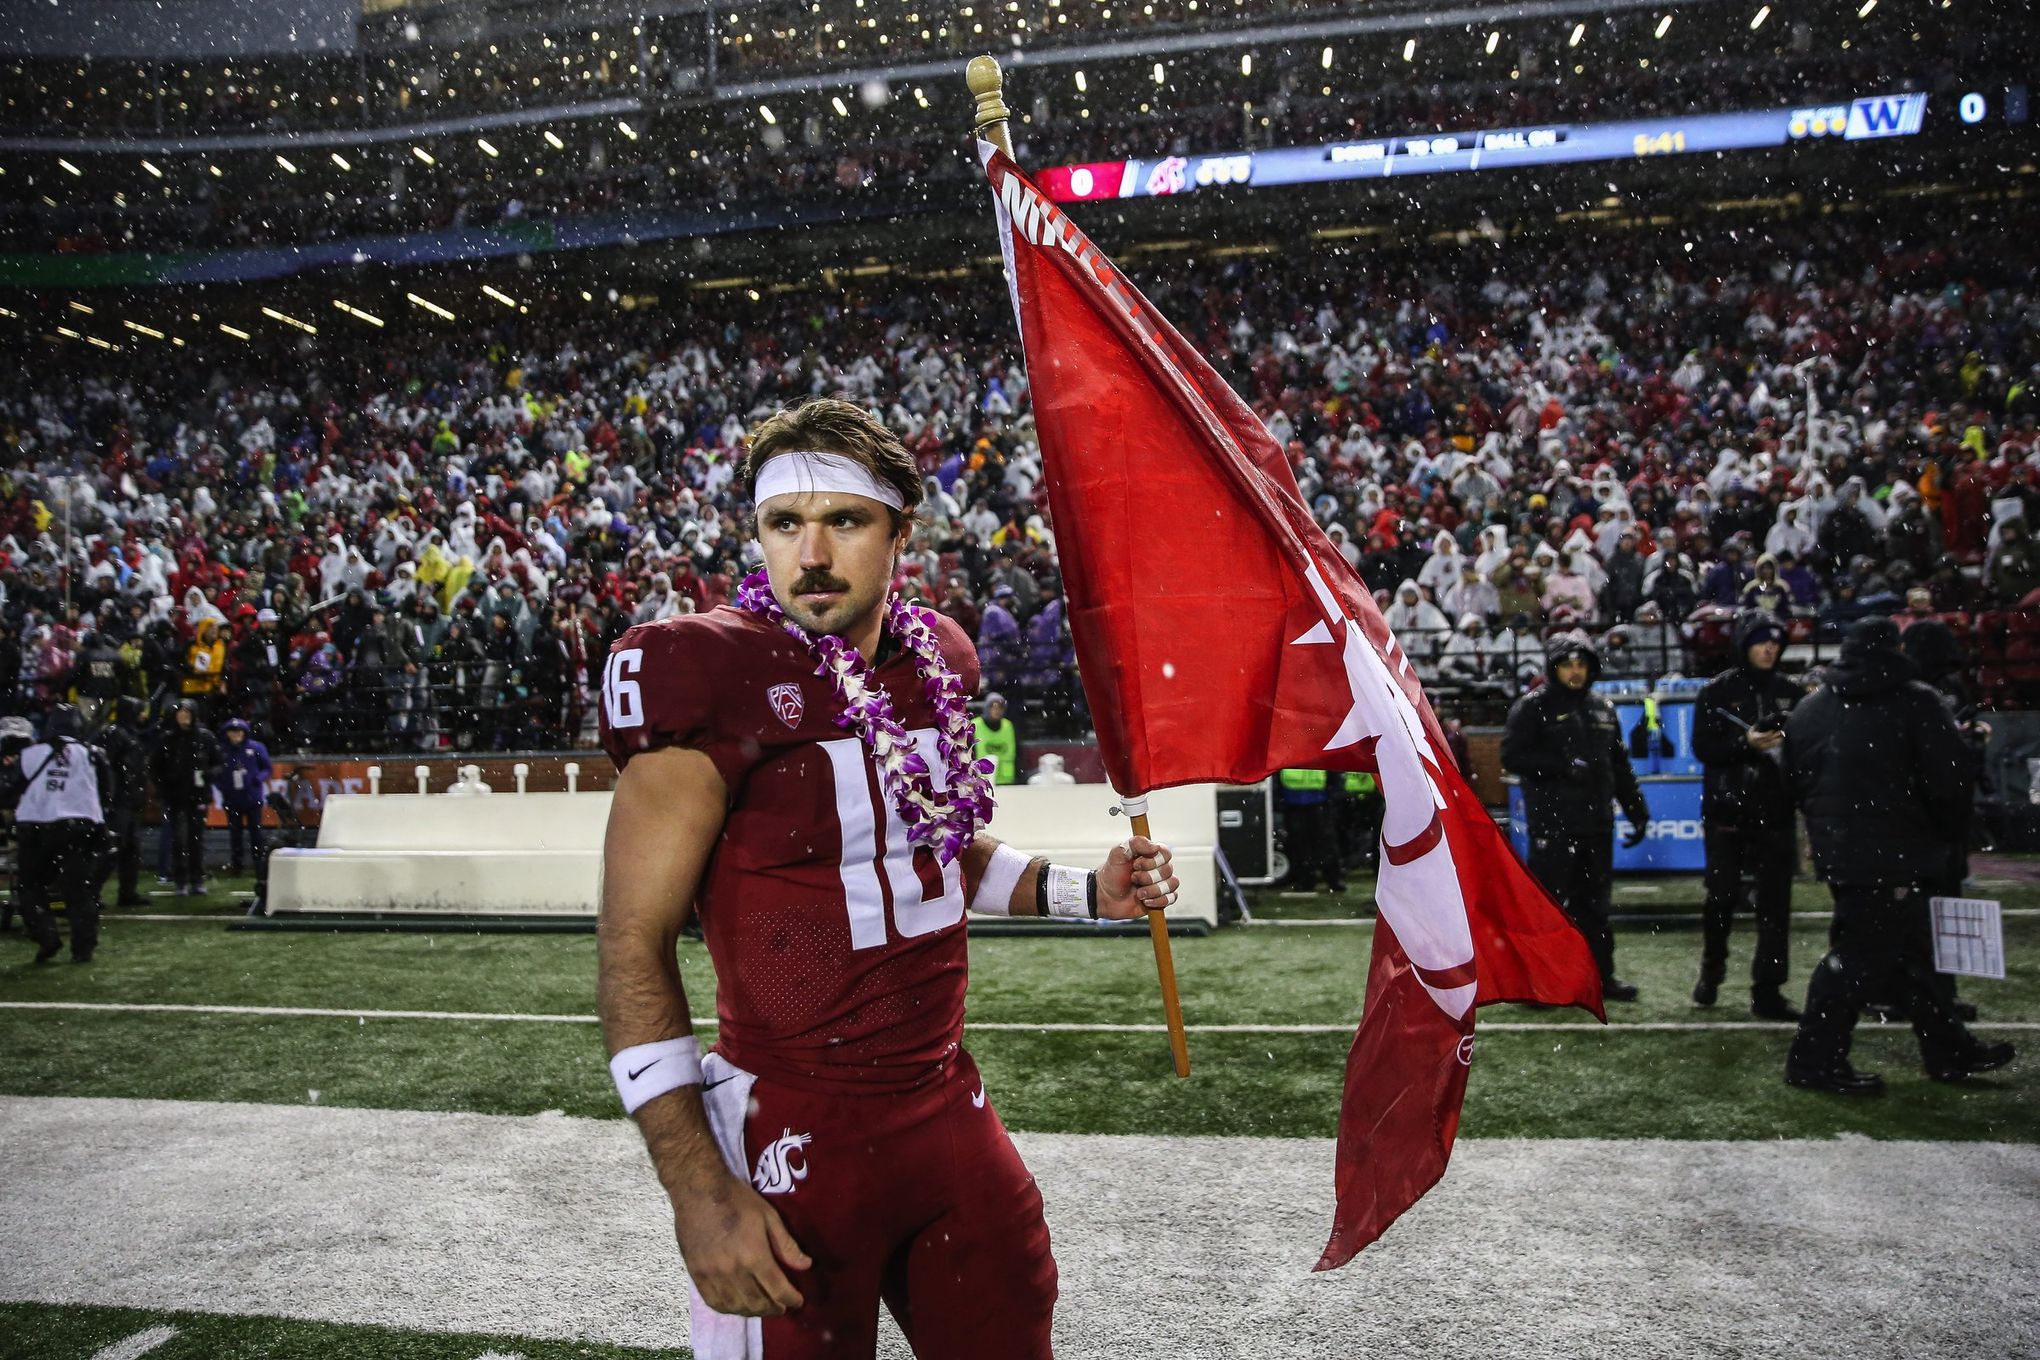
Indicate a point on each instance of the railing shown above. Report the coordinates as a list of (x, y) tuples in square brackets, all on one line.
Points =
[(484, 706)]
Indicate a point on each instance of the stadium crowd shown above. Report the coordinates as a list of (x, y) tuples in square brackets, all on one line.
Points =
[(432, 543)]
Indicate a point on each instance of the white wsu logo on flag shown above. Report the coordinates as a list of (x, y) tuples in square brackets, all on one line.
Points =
[(1418, 889)]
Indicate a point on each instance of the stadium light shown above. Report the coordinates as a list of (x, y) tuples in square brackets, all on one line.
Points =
[(765, 112), (842, 110), (1082, 84), (488, 147), (429, 305), (1579, 32), (358, 314), (139, 329), (1864, 12), (236, 332), (1762, 14), (1162, 74), (307, 327), (499, 295), (217, 173), (1326, 60), (11, 316), (284, 161), (587, 296), (67, 166), (342, 161), (1246, 63), (1494, 40), (1409, 50), (422, 154), (1664, 26), (82, 309), (920, 97), (150, 166), (552, 139), (626, 129)]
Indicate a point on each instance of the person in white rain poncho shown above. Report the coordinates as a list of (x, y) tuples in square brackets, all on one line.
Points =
[(1418, 624), (1441, 573), (1567, 588), (1789, 533), (1472, 593), (1494, 549)]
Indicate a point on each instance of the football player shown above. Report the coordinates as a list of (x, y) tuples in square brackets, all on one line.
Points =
[(797, 770)]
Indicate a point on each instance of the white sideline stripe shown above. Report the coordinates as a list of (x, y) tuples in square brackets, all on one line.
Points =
[(140, 1344), (987, 1026)]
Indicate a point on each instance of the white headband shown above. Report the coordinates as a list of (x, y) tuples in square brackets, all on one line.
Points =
[(795, 474)]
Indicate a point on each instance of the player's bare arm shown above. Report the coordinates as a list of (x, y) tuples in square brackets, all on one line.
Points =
[(663, 822), (1134, 879)]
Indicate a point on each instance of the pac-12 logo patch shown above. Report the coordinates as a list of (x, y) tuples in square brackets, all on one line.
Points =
[(782, 1164), (787, 703)]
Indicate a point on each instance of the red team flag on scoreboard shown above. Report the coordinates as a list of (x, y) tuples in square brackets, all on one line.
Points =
[(1222, 637)]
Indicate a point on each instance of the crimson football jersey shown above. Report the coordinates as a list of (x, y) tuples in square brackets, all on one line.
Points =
[(838, 947)]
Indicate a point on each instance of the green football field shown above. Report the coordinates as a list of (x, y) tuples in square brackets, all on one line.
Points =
[(187, 1015)]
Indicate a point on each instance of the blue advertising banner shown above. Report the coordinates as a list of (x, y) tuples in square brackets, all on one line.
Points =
[(1674, 843)]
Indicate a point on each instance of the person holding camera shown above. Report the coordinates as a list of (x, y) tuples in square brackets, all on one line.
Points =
[(127, 795), (1746, 811), (1565, 743), (1885, 779), (62, 828)]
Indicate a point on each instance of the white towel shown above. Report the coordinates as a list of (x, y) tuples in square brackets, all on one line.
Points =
[(726, 1098)]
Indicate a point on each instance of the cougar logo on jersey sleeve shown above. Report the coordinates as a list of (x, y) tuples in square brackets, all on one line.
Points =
[(782, 1165), (787, 703)]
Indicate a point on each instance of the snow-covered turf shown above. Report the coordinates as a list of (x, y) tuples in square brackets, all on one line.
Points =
[(553, 1227)]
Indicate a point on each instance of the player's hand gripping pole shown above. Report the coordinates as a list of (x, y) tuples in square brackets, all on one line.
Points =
[(987, 85), (1165, 961)]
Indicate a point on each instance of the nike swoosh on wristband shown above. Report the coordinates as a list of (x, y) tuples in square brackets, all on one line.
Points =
[(646, 1068), (712, 1085)]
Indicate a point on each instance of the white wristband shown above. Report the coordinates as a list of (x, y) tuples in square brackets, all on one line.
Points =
[(994, 896), (1068, 893), (643, 1071)]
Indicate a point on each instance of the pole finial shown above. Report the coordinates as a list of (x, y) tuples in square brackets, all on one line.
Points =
[(987, 83)]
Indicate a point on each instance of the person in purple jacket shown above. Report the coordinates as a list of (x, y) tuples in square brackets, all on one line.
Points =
[(243, 784)]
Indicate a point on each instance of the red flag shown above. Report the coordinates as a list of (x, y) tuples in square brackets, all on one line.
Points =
[(1222, 637)]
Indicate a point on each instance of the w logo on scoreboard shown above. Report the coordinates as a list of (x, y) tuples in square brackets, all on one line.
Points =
[(1896, 115)]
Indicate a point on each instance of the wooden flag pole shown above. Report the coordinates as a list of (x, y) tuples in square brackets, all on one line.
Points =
[(1165, 960), (987, 84)]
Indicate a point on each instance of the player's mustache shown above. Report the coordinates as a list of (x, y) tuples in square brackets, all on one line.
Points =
[(814, 583)]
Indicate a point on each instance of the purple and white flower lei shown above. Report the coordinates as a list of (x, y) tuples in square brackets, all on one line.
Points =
[(945, 825)]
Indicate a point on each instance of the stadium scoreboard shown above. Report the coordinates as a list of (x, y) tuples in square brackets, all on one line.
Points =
[(1868, 118)]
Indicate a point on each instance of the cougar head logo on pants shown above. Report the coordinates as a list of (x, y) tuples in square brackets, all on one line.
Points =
[(782, 1164)]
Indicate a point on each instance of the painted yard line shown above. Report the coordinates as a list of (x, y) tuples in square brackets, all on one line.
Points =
[(219, 916), (986, 1026), (138, 1345)]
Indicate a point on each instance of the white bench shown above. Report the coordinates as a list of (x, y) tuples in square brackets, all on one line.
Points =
[(540, 854)]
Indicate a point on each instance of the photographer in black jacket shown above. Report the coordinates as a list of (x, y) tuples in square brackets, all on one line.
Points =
[(1739, 735), (1565, 743), (1884, 778), (127, 758)]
